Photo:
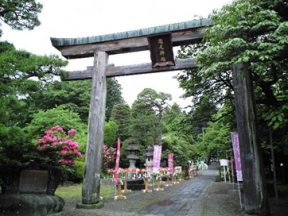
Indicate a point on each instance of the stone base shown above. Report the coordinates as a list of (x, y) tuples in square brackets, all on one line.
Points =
[(90, 206), (30, 204), (159, 189), (146, 191), (120, 197)]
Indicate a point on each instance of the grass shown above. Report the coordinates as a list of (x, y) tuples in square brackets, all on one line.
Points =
[(75, 191)]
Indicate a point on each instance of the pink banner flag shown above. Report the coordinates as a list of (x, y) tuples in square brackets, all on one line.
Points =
[(157, 158), (236, 149), (116, 172), (170, 163)]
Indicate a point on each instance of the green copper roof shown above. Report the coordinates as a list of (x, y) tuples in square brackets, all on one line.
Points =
[(60, 42)]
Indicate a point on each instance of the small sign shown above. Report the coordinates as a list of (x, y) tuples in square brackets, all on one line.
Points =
[(33, 181), (161, 50), (223, 162)]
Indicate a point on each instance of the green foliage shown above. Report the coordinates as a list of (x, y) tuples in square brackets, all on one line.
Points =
[(79, 170), (21, 75), (181, 149), (243, 31), (146, 115), (110, 133), (15, 151), (114, 96), (18, 67), (74, 95), (20, 14), (121, 115), (216, 141), (57, 116)]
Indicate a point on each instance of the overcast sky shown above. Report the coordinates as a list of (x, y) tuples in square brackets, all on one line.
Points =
[(81, 18)]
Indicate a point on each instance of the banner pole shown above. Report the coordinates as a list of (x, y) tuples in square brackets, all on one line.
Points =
[(239, 192), (115, 192), (232, 171)]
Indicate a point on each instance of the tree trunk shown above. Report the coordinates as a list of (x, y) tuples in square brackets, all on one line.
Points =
[(254, 181), (93, 162)]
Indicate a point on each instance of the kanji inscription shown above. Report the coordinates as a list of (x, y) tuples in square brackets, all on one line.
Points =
[(161, 51)]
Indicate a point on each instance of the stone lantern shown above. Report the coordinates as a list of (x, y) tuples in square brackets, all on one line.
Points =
[(133, 150), (149, 157)]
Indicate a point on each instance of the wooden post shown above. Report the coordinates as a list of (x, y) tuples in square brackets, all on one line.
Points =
[(119, 196), (158, 184), (180, 176), (175, 179), (91, 180), (220, 175), (146, 190), (168, 184), (254, 182), (125, 187)]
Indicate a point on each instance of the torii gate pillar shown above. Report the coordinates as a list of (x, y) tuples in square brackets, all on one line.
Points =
[(254, 182), (92, 172)]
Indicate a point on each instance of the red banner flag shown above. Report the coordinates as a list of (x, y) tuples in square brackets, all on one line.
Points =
[(116, 172)]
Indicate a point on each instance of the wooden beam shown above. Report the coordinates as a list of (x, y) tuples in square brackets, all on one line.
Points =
[(181, 64), (129, 45), (93, 160)]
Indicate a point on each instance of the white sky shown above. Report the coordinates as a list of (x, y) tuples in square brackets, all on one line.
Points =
[(81, 18)]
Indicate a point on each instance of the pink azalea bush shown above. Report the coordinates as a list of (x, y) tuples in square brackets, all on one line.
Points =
[(109, 156), (59, 147)]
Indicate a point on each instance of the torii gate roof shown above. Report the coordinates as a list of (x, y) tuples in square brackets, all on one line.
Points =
[(62, 42)]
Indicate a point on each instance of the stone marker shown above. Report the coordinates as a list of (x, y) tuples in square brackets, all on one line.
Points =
[(33, 181)]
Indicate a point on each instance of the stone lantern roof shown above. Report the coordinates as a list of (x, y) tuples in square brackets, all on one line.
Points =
[(132, 147), (149, 152)]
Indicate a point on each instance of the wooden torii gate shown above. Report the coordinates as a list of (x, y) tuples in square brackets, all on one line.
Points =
[(101, 47), (178, 34)]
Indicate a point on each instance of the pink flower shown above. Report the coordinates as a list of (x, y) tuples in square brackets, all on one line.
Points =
[(78, 153), (40, 141), (72, 131), (64, 142)]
